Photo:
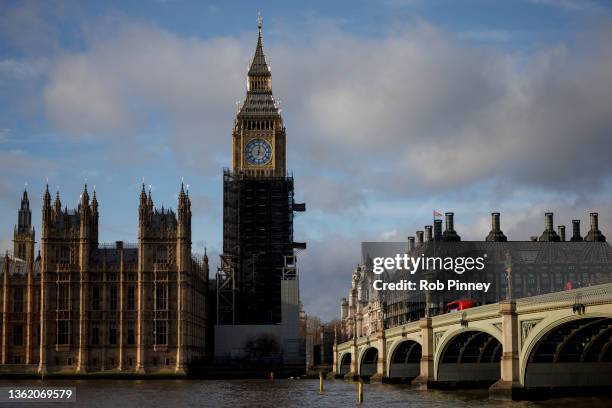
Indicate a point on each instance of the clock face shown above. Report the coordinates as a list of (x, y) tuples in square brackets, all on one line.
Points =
[(258, 151)]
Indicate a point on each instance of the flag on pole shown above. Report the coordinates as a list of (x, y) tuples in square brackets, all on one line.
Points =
[(436, 213)]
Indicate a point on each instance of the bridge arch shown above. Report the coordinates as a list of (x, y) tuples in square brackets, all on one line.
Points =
[(368, 362), (571, 352), (404, 360), (469, 356), (344, 364)]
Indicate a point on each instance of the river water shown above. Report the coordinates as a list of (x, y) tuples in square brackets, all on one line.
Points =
[(277, 394)]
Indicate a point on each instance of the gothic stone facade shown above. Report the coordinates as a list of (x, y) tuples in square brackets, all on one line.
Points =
[(81, 307)]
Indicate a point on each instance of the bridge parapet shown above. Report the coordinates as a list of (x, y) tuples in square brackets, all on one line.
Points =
[(591, 295), (473, 314), (405, 329), (366, 340)]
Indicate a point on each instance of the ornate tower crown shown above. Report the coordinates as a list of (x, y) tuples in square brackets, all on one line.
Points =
[(259, 67), (259, 100), (259, 133)]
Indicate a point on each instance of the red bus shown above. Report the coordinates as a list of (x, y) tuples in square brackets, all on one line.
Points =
[(458, 305)]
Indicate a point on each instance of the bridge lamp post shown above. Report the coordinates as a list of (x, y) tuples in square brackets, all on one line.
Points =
[(508, 276), (578, 307), (384, 314), (428, 307)]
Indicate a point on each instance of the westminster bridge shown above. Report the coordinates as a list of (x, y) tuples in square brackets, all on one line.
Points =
[(561, 339)]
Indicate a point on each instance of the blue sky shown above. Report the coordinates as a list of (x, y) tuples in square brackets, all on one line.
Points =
[(392, 109)]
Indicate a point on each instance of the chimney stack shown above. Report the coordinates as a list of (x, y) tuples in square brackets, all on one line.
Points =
[(419, 237), (450, 226), (410, 243), (549, 233), (595, 235), (450, 234), (576, 231), (548, 222), (496, 234), (561, 229), (428, 236), (437, 230)]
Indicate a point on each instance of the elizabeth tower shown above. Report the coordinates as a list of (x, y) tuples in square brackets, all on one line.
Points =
[(258, 206)]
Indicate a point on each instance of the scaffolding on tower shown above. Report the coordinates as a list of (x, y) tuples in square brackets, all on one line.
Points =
[(258, 247)]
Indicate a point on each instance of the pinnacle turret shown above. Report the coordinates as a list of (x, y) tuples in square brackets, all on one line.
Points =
[(57, 205), (143, 196), (25, 202), (181, 195), (150, 200), (23, 235), (94, 201), (85, 196), (47, 197), (24, 216), (46, 208)]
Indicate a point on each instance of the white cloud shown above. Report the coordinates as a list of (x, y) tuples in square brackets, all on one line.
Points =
[(389, 235), (120, 78)]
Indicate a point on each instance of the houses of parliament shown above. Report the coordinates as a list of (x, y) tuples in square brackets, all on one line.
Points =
[(83, 307)]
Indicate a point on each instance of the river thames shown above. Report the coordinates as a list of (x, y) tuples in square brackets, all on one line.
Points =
[(278, 394)]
